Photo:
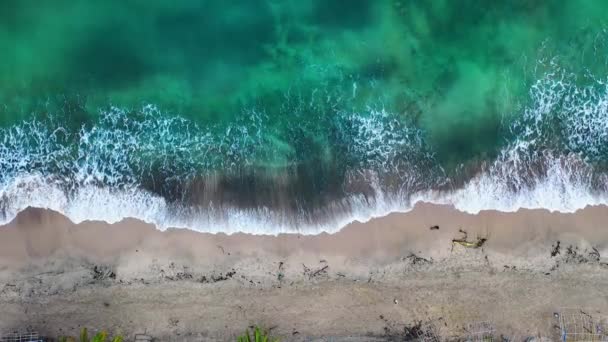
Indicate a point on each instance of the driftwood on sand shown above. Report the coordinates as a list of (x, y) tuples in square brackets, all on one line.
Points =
[(477, 243)]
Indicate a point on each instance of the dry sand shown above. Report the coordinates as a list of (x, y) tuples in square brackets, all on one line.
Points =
[(363, 283)]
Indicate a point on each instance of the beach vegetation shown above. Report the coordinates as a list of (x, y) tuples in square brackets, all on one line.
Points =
[(258, 335), (101, 336)]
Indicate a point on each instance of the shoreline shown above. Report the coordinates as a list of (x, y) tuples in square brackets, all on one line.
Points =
[(91, 204), (38, 233), (48, 265)]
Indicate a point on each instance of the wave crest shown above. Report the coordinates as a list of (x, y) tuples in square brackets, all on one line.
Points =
[(173, 172)]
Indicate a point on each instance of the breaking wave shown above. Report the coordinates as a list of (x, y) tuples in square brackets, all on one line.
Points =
[(173, 172), (557, 159)]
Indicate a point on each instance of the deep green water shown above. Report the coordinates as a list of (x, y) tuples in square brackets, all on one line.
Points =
[(295, 97)]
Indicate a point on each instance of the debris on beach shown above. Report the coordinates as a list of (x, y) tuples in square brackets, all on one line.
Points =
[(507, 268), (478, 243), (418, 260), (175, 273), (216, 277), (103, 272), (281, 273), (434, 227), (594, 254), (221, 277), (222, 249), (420, 330), (321, 271), (555, 250), (574, 255)]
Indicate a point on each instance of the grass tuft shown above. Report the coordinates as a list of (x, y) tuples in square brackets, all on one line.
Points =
[(101, 336), (258, 336)]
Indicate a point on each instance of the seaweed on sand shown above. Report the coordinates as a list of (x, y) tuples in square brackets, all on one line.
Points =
[(477, 243)]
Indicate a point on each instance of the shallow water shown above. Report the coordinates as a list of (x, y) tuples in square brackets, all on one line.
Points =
[(271, 116)]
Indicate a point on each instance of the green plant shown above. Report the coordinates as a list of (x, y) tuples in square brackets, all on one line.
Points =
[(101, 336), (258, 336)]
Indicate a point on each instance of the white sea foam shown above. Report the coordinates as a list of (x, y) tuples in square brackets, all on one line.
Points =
[(564, 184), (92, 203), (550, 163), (558, 191)]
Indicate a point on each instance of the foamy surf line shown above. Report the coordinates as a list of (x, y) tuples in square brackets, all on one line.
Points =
[(90, 203), (148, 165), (558, 190)]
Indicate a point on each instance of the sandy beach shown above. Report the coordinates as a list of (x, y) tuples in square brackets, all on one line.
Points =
[(366, 282)]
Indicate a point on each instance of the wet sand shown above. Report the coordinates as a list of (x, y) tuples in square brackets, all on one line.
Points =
[(180, 285)]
